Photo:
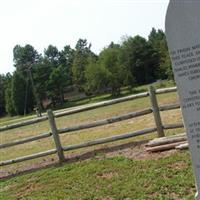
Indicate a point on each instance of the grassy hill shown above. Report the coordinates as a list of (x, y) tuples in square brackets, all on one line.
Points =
[(119, 175), (169, 177)]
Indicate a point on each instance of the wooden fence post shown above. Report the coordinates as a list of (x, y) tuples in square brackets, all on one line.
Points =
[(156, 112), (55, 136)]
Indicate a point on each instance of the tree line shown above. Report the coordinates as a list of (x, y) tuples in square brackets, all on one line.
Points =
[(135, 61)]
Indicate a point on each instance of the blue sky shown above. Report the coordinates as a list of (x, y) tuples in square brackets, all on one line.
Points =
[(63, 22)]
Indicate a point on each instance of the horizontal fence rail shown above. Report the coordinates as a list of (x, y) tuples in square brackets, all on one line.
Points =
[(29, 157), (76, 110), (166, 90), (109, 139), (169, 107), (173, 126), (102, 104), (78, 127), (24, 123), (78, 146), (96, 124), (106, 121), (54, 132), (25, 140), (86, 108)]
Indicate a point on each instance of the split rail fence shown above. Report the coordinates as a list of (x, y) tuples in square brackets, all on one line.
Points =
[(55, 132)]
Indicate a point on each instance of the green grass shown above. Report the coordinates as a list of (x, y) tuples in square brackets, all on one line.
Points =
[(88, 134), (100, 178), (114, 178)]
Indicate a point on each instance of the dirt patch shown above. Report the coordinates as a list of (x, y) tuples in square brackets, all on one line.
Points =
[(106, 198), (6, 188), (178, 165), (132, 150), (107, 175), (174, 196), (28, 189), (139, 153)]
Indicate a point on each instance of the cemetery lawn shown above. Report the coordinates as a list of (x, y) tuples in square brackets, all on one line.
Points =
[(77, 137), (105, 178)]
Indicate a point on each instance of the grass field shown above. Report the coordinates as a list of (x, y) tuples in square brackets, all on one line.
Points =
[(106, 178), (88, 134), (116, 178)]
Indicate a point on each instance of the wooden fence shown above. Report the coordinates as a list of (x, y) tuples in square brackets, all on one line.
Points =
[(59, 149)]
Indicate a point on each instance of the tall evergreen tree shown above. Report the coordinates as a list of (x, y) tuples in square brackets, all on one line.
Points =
[(157, 40), (66, 61), (140, 58), (57, 82), (18, 93), (8, 97), (25, 60), (59, 69), (52, 55), (25, 56), (81, 55), (2, 95)]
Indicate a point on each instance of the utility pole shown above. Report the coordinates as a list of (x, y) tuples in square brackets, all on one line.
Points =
[(26, 94), (35, 92)]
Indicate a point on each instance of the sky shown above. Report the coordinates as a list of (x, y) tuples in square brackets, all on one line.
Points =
[(62, 22)]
